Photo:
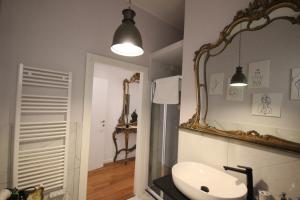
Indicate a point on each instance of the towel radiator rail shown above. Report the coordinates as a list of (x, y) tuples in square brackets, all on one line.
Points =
[(35, 164)]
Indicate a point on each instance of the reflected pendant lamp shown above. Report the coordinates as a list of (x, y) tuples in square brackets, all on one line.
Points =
[(239, 79), (127, 40)]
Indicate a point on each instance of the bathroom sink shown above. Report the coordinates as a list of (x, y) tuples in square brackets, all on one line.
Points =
[(201, 182)]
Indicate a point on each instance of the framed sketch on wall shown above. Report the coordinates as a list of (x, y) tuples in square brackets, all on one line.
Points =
[(216, 84), (259, 73), (234, 93), (295, 84), (267, 104)]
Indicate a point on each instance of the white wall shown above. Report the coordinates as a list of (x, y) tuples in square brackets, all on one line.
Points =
[(115, 77), (274, 170), (57, 34)]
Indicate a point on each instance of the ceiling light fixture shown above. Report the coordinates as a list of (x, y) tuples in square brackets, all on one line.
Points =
[(239, 79), (127, 40)]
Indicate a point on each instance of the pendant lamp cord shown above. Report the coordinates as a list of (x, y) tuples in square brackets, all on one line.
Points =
[(240, 44), (129, 3)]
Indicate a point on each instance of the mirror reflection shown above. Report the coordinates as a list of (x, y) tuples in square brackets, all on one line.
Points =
[(270, 103), (126, 125)]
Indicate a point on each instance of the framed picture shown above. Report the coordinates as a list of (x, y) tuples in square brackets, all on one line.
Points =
[(216, 84), (234, 93), (259, 73), (267, 104), (295, 84)]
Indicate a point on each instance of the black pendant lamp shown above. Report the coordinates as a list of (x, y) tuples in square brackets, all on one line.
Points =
[(127, 40), (239, 79)]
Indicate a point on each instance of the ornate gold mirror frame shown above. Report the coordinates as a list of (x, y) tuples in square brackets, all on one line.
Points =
[(258, 15), (123, 120)]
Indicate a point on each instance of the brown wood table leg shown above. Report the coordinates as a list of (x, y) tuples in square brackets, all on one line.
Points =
[(126, 132), (116, 145), (126, 146)]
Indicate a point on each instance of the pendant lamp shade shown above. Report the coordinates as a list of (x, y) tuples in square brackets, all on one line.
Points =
[(127, 40), (238, 79)]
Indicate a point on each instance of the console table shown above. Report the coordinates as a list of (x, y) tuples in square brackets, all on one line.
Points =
[(122, 129)]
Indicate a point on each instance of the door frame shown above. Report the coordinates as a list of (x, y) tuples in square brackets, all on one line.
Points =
[(143, 136)]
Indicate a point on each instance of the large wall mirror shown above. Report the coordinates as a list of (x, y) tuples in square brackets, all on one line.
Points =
[(129, 104), (265, 40)]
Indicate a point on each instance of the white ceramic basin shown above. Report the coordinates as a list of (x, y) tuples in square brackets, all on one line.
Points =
[(189, 177)]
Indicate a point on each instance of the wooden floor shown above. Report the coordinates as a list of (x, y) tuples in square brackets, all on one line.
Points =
[(112, 182)]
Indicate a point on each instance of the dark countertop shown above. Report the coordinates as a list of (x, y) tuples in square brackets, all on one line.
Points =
[(166, 184)]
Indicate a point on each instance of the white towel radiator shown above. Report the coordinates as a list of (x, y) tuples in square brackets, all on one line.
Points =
[(41, 128)]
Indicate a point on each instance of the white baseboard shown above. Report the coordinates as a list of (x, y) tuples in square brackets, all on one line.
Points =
[(108, 160)]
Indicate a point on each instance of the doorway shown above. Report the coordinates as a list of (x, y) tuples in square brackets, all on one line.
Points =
[(98, 126), (105, 86)]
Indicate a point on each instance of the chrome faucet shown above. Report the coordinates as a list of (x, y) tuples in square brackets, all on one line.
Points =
[(248, 172)]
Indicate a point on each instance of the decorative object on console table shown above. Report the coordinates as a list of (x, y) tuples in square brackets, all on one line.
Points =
[(134, 117), (283, 196)]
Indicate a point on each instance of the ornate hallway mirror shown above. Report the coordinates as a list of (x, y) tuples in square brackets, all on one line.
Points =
[(123, 120), (267, 111)]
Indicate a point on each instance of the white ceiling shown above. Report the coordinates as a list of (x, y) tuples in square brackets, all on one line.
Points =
[(168, 11)]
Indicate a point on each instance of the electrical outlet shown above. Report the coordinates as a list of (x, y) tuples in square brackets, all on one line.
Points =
[(56, 193)]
